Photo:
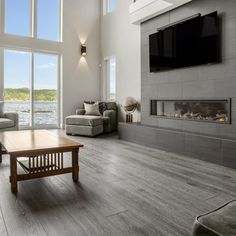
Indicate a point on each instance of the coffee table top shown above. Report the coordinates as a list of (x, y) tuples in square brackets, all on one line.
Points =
[(34, 140)]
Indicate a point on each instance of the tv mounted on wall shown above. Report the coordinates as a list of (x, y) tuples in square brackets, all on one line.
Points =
[(192, 42)]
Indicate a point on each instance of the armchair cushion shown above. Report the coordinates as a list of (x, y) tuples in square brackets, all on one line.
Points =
[(221, 221), (1, 108), (6, 123), (84, 120), (12, 116)]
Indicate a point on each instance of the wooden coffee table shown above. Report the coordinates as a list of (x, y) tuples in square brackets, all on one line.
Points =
[(43, 151)]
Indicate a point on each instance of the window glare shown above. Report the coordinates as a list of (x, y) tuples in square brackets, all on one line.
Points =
[(18, 17), (48, 20), (111, 5), (112, 78)]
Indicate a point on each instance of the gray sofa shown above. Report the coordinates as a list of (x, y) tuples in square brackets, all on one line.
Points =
[(9, 121), (81, 124), (220, 222)]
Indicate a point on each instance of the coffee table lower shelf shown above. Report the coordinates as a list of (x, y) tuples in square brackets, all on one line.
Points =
[(38, 168)]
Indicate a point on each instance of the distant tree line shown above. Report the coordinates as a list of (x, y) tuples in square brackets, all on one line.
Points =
[(23, 94)]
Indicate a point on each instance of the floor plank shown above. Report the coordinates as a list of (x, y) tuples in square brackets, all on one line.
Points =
[(124, 189)]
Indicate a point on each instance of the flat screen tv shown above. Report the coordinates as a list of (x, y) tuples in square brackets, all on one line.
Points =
[(189, 43)]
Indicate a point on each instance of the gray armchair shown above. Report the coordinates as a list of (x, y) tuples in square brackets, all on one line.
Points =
[(81, 124), (109, 115), (9, 121)]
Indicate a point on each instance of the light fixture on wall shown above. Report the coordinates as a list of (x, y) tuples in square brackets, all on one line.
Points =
[(83, 50)]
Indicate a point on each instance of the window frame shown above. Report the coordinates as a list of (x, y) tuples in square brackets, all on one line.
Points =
[(107, 82), (59, 97)]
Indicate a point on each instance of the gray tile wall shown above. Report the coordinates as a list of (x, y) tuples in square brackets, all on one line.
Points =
[(209, 81), (203, 147)]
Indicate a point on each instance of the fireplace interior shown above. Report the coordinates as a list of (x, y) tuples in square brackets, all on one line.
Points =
[(217, 111)]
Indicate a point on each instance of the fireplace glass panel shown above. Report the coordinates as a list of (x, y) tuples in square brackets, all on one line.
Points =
[(217, 111)]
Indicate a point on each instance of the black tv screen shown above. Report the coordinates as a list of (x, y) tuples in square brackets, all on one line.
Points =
[(192, 42)]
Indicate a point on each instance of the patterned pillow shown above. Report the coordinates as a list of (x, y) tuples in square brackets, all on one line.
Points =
[(102, 107), (92, 109), (89, 102)]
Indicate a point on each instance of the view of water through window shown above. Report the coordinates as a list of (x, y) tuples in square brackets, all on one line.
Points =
[(31, 77), (20, 84), (46, 111)]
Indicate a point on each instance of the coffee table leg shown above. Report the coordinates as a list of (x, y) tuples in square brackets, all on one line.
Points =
[(75, 165), (13, 174)]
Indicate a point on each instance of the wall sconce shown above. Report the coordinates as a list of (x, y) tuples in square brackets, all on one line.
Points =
[(83, 50)]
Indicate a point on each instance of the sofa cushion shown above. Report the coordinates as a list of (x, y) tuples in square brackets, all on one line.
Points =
[(6, 123), (92, 109), (84, 120), (221, 221)]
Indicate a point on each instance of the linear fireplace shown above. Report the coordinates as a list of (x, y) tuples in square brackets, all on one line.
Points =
[(216, 110)]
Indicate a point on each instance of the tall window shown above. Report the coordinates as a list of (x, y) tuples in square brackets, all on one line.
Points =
[(18, 17), (48, 19), (111, 78), (109, 6), (31, 88), (17, 84), (45, 89), (31, 78), (20, 20)]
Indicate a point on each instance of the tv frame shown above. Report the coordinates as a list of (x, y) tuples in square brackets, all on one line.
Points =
[(218, 60)]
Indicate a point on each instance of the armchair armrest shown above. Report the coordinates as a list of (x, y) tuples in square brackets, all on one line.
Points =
[(112, 125), (80, 111), (109, 113), (12, 116)]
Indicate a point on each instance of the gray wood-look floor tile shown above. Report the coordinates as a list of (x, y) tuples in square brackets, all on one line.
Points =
[(124, 189)]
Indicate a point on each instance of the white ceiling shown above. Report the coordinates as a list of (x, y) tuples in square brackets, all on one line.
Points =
[(143, 10)]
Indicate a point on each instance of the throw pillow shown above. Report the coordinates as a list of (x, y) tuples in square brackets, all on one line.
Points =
[(89, 102), (1, 109), (92, 109), (102, 107)]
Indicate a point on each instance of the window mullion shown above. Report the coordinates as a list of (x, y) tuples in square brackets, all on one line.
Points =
[(2, 29), (58, 91), (108, 79), (60, 20), (32, 92), (34, 18)]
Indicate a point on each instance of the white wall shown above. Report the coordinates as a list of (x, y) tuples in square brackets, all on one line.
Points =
[(81, 78), (122, 39)]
